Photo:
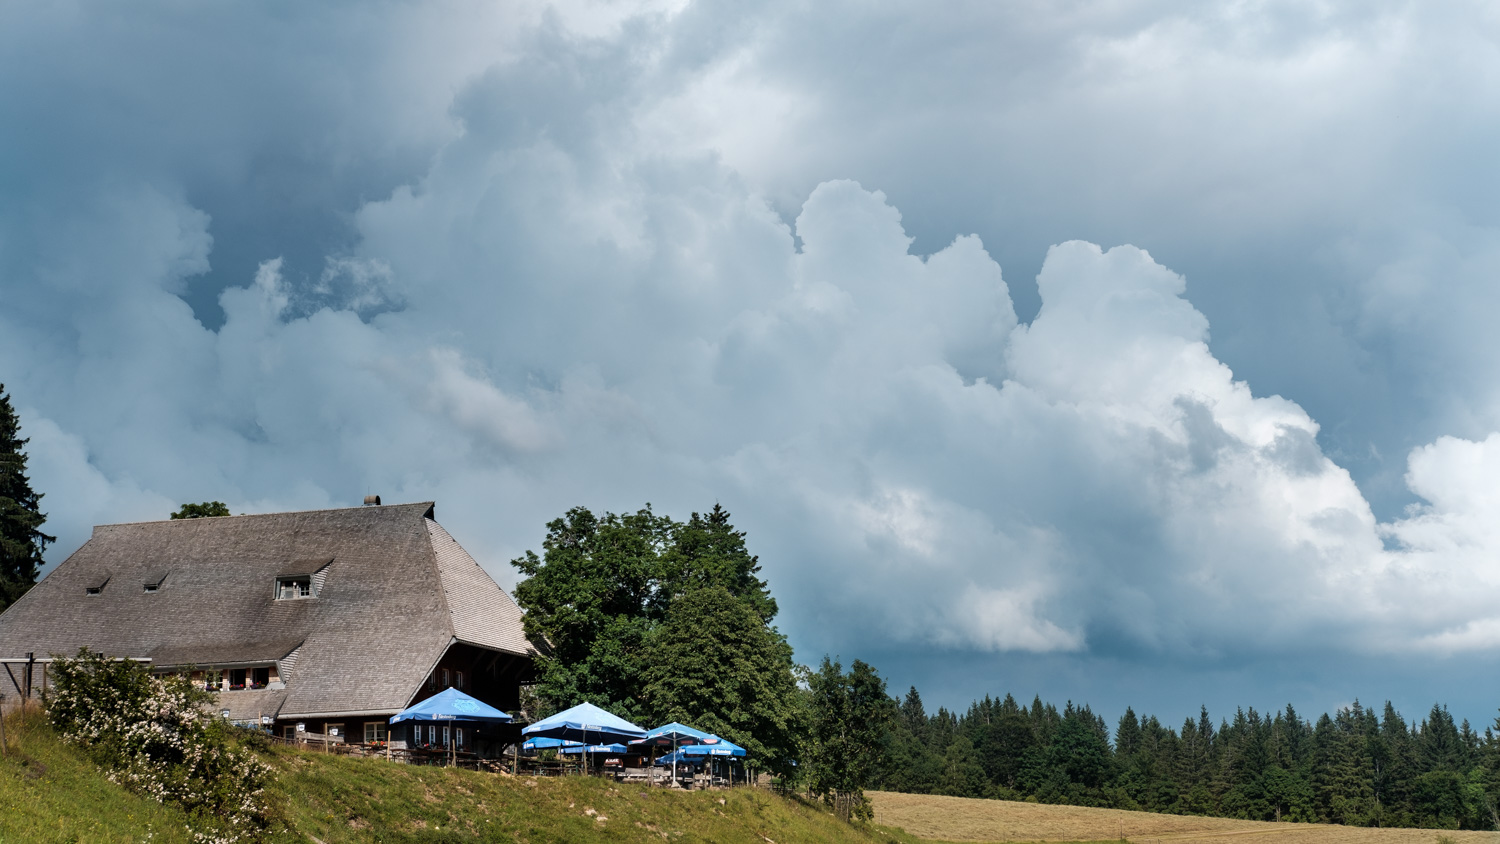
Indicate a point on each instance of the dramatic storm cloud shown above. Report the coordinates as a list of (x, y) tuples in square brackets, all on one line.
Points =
[(1224, 429)]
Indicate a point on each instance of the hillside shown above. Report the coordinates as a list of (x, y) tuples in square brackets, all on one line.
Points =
[(50, 793), (963, 819), (358, 800)]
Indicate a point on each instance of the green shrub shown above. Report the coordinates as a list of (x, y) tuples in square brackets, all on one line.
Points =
[(156, 736)]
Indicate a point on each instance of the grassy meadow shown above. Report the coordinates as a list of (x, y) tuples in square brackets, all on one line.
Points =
[(49, 792), (337, 799), (960, 819)]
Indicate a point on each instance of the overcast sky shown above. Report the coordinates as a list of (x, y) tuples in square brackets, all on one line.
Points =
[(1133, 353)]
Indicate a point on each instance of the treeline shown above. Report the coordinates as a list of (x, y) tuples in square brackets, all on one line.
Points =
[(660, 620), (1355, 767)]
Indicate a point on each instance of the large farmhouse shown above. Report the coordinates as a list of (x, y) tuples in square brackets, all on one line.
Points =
[(328, 621)]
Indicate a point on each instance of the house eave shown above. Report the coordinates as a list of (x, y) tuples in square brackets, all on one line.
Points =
[(508, 651), (362, 713)]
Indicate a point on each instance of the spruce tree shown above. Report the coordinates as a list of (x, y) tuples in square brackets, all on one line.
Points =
[(963, 775), (1164, 750), (1396, 768), (1008, 741), (1440, 746), (942, 728), (21, 518), (1345, 774), (914, 714), (1128, 735), (908, 765), (1490, 796)]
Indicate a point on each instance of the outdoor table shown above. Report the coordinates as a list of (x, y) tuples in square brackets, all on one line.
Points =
[(633, 774), (548, 767), (427, 755)]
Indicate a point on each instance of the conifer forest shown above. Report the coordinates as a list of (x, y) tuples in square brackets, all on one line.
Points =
[(1358, 766)]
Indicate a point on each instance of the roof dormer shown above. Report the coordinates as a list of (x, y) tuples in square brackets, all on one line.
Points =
[(301, 579)]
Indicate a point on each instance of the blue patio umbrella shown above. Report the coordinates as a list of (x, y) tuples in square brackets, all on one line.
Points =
[(715, 746), (681, 755), (585, 722), (548, 743), (594, 748), (673, 734), (671, 759), (451, 705)]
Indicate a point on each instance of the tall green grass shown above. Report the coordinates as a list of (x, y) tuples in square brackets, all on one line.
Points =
[(50, 792), (365, 800)]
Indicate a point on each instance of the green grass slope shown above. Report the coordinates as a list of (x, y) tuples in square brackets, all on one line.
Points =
[(361, 800), (49, 792)]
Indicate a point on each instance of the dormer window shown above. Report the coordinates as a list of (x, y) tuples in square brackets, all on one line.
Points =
[(153, 582), (302, 579), (96, 587), (293, 587)]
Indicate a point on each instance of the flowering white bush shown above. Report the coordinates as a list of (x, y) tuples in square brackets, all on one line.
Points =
[(155, 736)]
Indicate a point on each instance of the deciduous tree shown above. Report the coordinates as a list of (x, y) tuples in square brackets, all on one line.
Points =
[(714, 663), (850, 715), (201, 511), (604, 584), (593, 598)]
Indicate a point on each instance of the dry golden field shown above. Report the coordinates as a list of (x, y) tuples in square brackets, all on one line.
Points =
[(962, 819)]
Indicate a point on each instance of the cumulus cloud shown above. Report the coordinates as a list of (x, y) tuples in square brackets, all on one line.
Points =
[(550, 258), (476, 406)]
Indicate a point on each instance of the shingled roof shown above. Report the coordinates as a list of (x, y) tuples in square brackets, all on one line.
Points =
[(394, 591)]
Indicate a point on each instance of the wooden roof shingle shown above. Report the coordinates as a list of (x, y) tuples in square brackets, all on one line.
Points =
[(394, 591)]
